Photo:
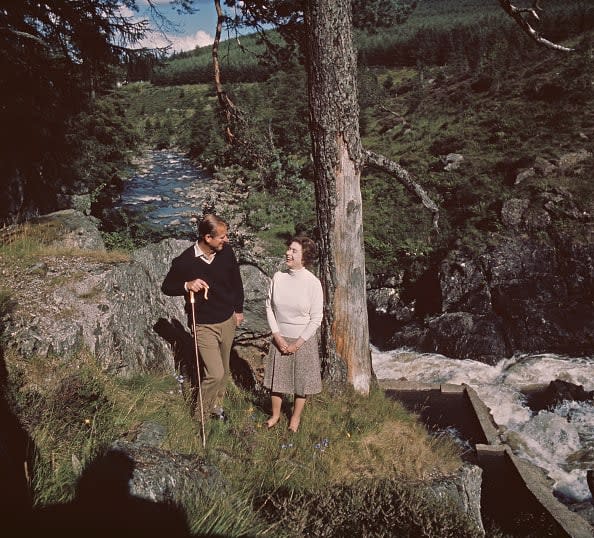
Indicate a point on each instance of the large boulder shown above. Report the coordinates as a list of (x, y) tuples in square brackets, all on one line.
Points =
[(113, 308), (72, 229)]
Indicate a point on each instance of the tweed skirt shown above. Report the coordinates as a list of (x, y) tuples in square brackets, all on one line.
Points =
[(294, 374)]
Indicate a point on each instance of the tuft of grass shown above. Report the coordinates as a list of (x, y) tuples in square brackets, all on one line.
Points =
[(341, 439), (28, 242), (378, 507)]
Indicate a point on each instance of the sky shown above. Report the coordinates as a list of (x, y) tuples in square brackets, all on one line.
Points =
[(194, 30)]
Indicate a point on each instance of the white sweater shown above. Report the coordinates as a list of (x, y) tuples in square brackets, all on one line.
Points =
[(294, 304)]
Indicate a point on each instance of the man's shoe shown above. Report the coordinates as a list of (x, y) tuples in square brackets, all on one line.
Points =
[(219, 415)]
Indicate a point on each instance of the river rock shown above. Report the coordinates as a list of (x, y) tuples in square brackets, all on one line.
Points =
[(556, 392), (463, 490)]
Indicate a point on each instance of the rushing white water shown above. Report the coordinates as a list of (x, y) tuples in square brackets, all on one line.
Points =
[(560, 441)]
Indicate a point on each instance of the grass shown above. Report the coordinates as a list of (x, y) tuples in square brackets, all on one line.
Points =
[(73, 411), (26, 243)]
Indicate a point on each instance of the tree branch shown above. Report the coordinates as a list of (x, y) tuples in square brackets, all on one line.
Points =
[(26, 35), (405, 178), (229, 108), (520, 15)]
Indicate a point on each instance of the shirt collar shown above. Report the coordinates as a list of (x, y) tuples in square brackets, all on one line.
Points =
[(199, 253)]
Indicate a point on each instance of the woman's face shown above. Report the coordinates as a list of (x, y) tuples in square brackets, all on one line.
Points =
[(294, 256)]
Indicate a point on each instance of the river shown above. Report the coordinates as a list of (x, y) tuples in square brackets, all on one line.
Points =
[(560, 441), (169, 189)]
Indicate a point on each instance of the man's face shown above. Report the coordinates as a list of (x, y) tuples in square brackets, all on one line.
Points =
[(220, 238)]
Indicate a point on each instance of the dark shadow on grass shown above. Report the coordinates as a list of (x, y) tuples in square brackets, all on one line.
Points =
[(181, 341), (104, 507), (17, 451)]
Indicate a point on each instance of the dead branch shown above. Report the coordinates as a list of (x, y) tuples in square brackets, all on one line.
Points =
[(231, 111), (405, 178), (399, 117), (521, 16), (25, 35)]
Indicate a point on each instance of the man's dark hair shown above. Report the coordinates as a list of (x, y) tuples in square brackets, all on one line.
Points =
[(209, 224), (309, 251)]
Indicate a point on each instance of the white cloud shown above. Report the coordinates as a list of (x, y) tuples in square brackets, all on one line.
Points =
[(157, 38), (179, 42)]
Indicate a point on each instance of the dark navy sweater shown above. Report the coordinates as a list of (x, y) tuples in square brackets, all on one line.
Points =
[(225, 293)]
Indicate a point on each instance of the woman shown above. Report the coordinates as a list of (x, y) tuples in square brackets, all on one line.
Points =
[(294, 312)]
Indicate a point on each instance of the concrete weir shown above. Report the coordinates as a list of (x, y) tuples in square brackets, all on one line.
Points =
[(516, 494)]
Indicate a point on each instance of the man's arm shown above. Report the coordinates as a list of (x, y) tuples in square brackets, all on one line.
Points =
[(174, 283)]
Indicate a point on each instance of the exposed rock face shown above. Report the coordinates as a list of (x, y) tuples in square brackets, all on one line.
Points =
[(531, 290), (162, 476), (75, 229), (463, 491), (114, 309)]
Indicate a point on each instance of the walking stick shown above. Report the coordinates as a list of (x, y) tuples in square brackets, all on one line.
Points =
[(192, 302)]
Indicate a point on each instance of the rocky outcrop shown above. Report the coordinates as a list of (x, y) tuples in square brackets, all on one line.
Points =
[(530, 290), (112, 307), (463, 490), (162, 476)]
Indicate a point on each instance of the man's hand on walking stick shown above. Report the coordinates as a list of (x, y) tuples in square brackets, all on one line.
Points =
[(196, 286)]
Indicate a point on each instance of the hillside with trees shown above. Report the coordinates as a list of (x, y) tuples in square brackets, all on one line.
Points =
[(515, 103), (491, 109)]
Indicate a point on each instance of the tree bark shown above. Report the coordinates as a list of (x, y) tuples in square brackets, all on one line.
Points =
[(338, 160)]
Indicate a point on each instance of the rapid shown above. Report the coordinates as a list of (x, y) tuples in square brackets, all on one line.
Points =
[(560, 440)]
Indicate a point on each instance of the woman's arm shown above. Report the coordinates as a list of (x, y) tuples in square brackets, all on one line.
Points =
[(280, 342), (316, 310)]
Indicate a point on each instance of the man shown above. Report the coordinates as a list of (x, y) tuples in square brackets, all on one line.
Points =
[(210, 266)]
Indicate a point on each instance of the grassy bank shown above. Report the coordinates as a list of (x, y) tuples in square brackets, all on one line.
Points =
[(317, 481)]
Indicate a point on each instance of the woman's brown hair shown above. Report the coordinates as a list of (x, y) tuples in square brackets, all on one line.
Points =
[(309, 250)]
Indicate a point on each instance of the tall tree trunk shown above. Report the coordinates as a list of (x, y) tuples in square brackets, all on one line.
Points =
[(338, 159)]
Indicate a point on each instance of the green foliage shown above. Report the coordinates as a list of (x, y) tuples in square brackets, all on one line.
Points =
[(437, 32), (239, 63), (56, 58), (102, 142), (120, 240)]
